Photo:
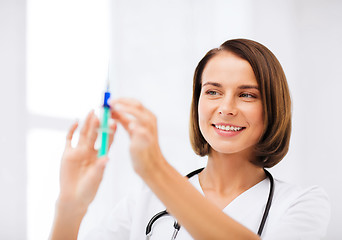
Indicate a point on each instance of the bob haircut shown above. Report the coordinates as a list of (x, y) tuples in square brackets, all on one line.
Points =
[(274, 141)]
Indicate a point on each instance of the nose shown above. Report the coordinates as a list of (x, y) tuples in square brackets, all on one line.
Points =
[(228, 106)]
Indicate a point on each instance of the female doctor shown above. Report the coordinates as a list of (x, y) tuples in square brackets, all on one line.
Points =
[(241, 120)]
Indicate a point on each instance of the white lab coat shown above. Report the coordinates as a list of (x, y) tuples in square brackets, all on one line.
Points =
[(295, 214)]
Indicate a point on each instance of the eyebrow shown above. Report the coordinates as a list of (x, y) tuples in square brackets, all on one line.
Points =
[(215, 84)]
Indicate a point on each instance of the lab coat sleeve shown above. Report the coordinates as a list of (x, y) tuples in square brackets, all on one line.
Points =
[(117, 224), (306, 217)]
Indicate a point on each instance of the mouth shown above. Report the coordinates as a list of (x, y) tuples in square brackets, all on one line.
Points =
[(228, 128)]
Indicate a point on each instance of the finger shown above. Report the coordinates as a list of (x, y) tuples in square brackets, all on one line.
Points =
[(93, 131), (97, 170), (112, 128), (130, 107), (126, 101), (123, 118), (92, 180), (122, 104), (101, 163), (85, 128), (71, 133)]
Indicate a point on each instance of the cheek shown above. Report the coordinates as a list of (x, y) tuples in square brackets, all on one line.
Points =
[(203, 111), (200, 109), (256, 117), (203, 115)]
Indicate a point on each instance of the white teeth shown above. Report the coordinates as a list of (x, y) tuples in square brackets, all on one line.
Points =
[(228, 128)]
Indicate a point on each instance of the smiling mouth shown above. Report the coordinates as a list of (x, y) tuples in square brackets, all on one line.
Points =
[(228, 128)]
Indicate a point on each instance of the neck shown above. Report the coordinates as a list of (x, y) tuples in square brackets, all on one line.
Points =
[(230, 173)]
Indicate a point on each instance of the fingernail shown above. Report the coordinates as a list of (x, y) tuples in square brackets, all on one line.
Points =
[(111, 121), (117, 107), (131, 126)]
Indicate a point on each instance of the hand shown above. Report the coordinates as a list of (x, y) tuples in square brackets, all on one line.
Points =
[(81, 169), (141, 125)]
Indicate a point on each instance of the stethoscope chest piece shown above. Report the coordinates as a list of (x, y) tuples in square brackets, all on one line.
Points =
[(149, 226)]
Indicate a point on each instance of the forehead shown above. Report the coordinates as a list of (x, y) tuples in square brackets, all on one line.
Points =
[(227, 67)]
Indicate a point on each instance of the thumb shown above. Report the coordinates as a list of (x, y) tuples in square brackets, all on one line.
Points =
[(95, 175), (100, 166)]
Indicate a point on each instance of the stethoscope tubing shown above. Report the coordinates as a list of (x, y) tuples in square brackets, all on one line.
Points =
[(165, 213), (268, 204), (177, 226)]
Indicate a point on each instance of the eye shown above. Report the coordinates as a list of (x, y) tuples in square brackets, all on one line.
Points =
[(247, 95), (211, 93)]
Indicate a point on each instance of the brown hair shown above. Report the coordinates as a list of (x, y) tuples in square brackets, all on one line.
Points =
[(274, 142)]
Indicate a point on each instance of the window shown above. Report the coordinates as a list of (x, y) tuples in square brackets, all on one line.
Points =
[(67, 58)]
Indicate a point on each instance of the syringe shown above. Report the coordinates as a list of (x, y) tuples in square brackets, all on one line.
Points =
[(104, 123)]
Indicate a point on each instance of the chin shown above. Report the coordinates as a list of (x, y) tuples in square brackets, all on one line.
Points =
[(225, 149), (230, 149)]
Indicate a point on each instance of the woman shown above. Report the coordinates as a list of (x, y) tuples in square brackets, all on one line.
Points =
[(241, 120)]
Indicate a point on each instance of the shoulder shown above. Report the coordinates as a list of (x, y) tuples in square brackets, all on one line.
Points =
[(289, 195), (298, 213)]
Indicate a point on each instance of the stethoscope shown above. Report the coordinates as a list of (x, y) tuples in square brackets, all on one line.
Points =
[(177, 226)]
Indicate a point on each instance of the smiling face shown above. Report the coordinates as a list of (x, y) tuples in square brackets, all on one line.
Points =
[(230, 111)]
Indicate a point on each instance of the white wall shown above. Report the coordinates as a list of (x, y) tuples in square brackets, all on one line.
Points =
[(12, 120), (306, 36), (319, 38)]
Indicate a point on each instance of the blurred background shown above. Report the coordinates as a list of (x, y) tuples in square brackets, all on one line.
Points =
[(53, 65)]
